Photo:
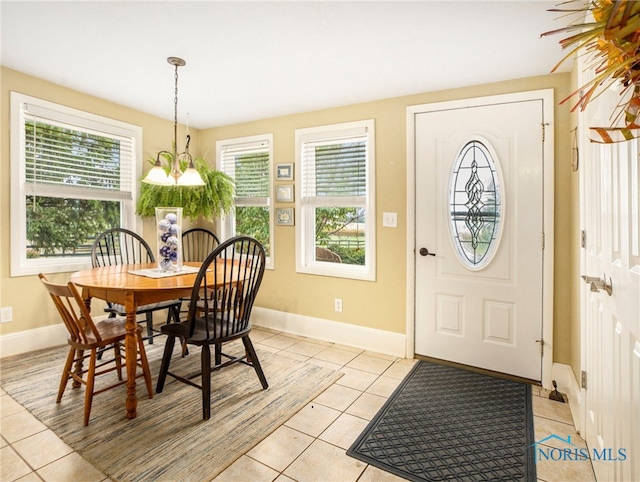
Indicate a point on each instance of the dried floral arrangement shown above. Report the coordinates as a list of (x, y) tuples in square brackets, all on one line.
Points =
[(612, 43)]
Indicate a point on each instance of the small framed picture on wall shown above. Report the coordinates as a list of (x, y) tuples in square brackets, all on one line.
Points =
[(284, 193), (284, 172), (284, 216)]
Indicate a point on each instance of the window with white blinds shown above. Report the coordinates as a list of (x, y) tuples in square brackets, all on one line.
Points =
[(248, 162), (63, 160), (335, 167), (248, 165), (336, 228), (73, 176)]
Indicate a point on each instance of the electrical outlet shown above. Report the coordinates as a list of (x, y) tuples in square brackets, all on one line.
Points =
[(338, 305), (6, 314)]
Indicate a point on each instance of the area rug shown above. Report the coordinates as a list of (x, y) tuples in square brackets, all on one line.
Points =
[(445, 423), (168, 440)]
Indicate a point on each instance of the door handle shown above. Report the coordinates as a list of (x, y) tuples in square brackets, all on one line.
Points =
[(425, 252), (598, 284)]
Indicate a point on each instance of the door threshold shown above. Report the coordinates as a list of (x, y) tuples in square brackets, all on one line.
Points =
[(482, 371)]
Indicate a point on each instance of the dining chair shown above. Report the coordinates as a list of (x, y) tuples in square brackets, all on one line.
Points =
[(121, 246), (197, 244), (221, 302), (86, 334)]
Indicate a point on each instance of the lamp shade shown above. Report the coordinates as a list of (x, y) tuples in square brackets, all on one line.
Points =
[(190, 177), (157, 176)]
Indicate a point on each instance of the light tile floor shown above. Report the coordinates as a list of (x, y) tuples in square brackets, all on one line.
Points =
[(310, 446)]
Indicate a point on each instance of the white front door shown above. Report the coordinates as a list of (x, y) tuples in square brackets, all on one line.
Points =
[(480, 229), (610, 215)]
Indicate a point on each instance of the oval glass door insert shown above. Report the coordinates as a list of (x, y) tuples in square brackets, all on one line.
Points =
[(475, 205)]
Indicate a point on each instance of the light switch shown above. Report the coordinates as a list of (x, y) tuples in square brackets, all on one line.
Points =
[(390, 220)]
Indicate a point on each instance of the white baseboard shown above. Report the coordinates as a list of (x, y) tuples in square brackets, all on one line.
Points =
[(345, 334), (371, 339), (332, 331), (32, 340), (567, 384)]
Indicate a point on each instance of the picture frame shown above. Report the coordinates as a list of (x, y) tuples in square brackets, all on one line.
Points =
[(285, 216), (284, 172), (284, 193)]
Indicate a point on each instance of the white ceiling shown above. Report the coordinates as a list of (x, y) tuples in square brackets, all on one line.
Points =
[(255, 60)]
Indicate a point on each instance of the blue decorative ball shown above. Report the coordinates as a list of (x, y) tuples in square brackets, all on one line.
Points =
[(165, 251), (173, 242), (174, 229), (165, 264), (164, 225), (172, 218), (165, 236), (173, 256)]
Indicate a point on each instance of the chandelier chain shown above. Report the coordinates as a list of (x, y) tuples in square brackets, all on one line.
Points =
[(175, 98)]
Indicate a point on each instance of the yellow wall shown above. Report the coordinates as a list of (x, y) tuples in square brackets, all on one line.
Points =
[(31, 306), (379, 304)]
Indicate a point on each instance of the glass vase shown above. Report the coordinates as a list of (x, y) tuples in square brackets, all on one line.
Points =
[(169, 228)]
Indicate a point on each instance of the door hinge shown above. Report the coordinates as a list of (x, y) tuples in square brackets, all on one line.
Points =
[(542, 343), (583, 238), (544, 124), (543, 241), (583, 379)]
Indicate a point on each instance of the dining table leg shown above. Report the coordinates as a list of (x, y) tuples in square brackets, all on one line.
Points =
[(131, 354)]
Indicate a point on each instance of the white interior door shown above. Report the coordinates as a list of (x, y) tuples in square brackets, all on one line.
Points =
[(480, 221), (610, 175)]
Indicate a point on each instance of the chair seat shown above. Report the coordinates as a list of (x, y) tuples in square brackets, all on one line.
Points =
[(119, 309), (109, 329), (200, 337)]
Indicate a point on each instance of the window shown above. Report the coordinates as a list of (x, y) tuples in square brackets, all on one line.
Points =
[(248, 161), (475, 205), (73, 176), (336, 226)]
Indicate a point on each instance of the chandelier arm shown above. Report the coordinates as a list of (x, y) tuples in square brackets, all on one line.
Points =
[(158, 162)]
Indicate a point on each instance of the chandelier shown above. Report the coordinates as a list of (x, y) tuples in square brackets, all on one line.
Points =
[(157, 175)]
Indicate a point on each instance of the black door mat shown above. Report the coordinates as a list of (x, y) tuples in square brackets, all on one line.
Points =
[(445, 423)]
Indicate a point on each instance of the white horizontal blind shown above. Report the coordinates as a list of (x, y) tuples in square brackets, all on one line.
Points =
[(248, 165), (64, 160), (336, 204), (61, 156), (335, 168)]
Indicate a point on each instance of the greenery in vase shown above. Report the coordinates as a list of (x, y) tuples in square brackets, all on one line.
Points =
[(209, 201)]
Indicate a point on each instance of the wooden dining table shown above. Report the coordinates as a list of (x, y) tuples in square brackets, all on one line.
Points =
[(116, 284)]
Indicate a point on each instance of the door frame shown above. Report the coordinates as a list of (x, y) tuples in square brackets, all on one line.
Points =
[(546, 96)]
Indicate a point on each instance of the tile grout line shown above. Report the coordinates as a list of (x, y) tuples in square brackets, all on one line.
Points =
[(285, 351)]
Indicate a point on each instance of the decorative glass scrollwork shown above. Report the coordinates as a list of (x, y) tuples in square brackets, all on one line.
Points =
[(475, 205)]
